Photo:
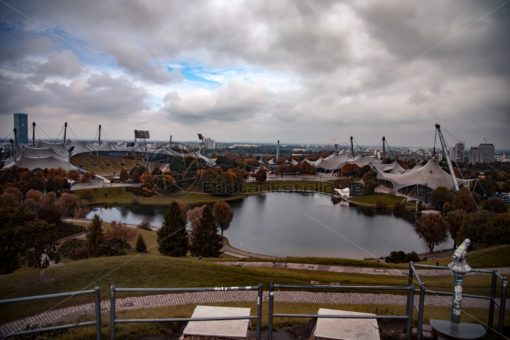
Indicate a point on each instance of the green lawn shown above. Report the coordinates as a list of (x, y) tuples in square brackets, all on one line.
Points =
[(160, 271)]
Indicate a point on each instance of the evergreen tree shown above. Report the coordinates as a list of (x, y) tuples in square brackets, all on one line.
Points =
[(172, 237), (205, 239), (141, 247), (95, 235)]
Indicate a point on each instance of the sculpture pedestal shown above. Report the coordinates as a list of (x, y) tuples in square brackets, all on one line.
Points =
[(460, 330)]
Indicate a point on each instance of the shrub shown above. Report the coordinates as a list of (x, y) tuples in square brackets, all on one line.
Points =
[(381, 207), (141, 247), (401, 257), (74, 249)]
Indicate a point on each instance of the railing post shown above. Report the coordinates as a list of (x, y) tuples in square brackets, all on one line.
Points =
[(112, 312), (270, 312), (410, 275), (419, 329), (99, 324), (409, 310), (490, 318), (502, 306), (259, 310)]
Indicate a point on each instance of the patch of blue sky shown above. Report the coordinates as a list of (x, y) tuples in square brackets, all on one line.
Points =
[(207, 77)]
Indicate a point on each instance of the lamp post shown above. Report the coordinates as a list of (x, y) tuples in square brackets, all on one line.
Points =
[(454, 328)]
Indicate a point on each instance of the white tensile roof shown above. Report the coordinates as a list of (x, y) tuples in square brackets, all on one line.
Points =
[(430, 175)]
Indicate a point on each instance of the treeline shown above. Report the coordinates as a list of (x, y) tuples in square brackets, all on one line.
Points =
[(461, 218), (31, 224)]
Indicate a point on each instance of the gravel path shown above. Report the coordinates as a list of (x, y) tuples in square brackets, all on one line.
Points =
[(69, 314)]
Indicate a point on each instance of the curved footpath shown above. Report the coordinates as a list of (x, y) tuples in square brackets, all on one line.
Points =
[(70, 314), (350, 270)]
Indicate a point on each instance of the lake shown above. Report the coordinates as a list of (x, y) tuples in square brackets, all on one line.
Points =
[(299, 224)]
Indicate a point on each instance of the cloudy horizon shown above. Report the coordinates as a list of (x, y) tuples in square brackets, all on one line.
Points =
[(310, 72)]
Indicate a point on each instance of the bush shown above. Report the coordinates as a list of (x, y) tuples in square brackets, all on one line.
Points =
[(74, 249), (399, 209), (381, 207), (112, 247), (401, 257), (141, 247), (494, 205)]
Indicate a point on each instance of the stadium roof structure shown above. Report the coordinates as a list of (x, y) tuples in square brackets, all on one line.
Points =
[(57, 155), (335, 162), (431, 175), (393, 168)]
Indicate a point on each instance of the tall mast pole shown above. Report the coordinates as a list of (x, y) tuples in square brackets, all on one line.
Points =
[(384, 148), (446, 154), (352, 147), (65, 132), (33, 134), (99, 136)]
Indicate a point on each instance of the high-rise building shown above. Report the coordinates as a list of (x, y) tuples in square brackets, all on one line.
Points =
[(21, 126), (457, 153), (209, 143), (484, 153)]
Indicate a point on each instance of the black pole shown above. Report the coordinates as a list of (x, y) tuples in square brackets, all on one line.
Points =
[(384, 148), (65, 132), (352, 147), (99, 137), (15, 137), (33, 134)]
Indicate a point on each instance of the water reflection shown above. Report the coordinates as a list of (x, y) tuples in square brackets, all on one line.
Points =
[(296, 224)]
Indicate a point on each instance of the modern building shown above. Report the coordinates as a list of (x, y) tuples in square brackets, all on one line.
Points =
[(21, 126), (209, 143), (457, 153), (483, 153)]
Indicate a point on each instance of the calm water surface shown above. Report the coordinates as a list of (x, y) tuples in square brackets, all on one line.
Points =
[(294, 224)]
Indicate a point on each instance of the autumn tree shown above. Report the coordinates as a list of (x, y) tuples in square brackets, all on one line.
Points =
[(455, 219), (261, 175), (172, 236), (464, 200), (494, 205), (205, 241), (432, 228), (440, 196), (119, 231), (223, 215), (95, 235), (475, 227), (124, 175)]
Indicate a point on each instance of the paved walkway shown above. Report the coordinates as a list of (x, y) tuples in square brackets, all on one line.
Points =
[(70, 314), (349, 270)]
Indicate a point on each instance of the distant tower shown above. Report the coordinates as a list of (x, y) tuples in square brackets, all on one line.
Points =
[(21, 126), (277, 151)]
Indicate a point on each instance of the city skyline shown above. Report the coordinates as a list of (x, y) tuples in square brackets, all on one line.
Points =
[(302, 72)]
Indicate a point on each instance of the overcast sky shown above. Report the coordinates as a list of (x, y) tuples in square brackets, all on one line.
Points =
[(300, 71)]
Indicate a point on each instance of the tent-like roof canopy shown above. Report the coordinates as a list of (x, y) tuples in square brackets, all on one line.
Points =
[(430, 175), (393, 168)]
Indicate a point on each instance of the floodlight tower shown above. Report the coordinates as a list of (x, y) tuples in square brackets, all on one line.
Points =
[(446, 153)]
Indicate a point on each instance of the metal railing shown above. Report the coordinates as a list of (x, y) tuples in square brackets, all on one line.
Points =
[(97, 310), (408, 316), (494, 301), (115, 321)]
